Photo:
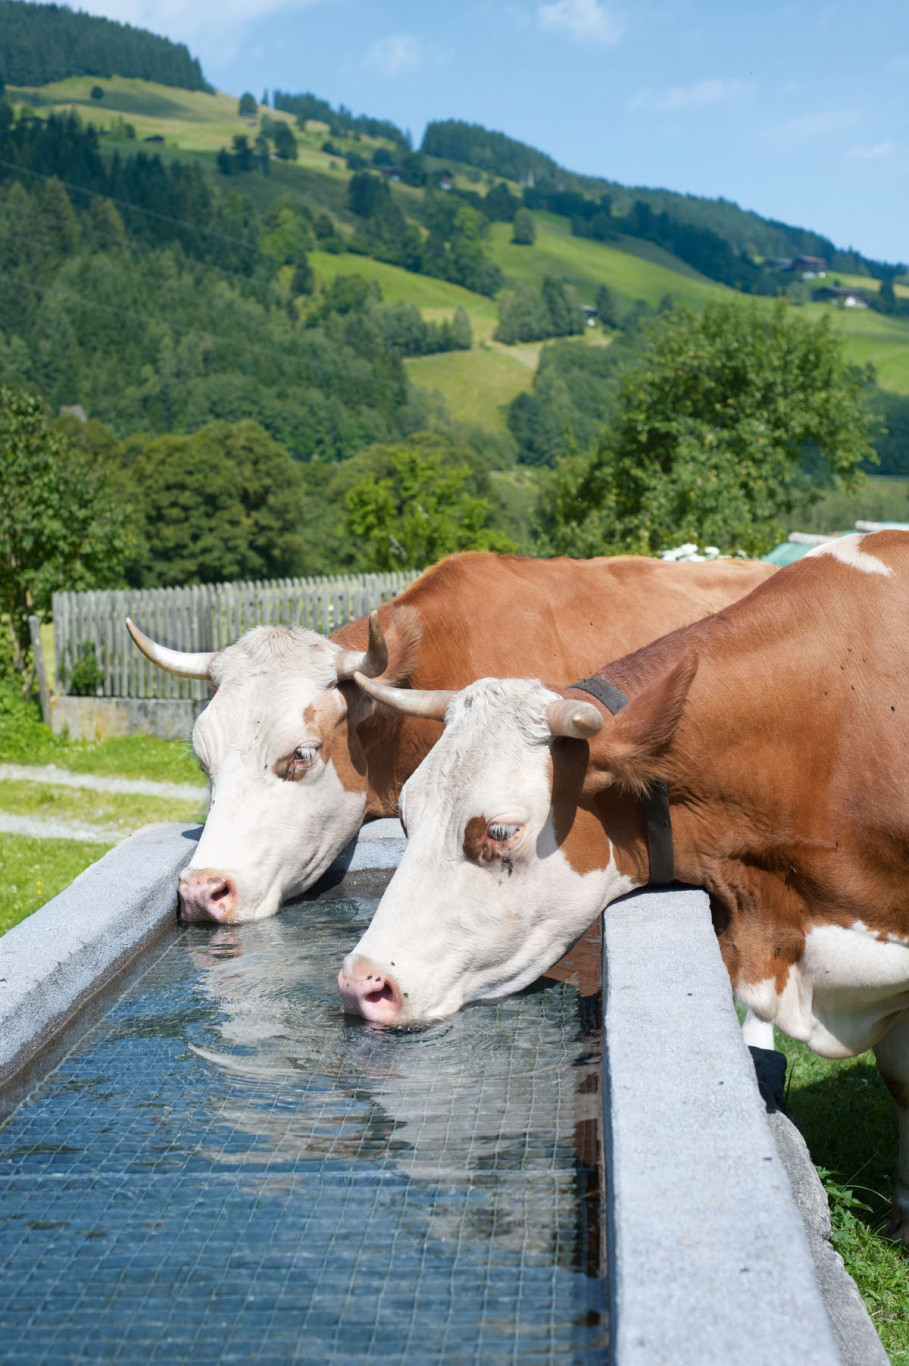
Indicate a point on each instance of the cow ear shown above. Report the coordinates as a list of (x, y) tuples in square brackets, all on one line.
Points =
[(631, 750), (402, 636)]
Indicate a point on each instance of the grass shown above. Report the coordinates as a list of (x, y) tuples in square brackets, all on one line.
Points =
[(434, 297), (189, 119), (847, 1118), (586, 264), (126, 810), (477, 385), (872, 338), (34, 870)]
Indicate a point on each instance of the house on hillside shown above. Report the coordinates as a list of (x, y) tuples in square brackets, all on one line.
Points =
[(810, 267), (446, 180), (591, 313), (391, 172), (841, 294)]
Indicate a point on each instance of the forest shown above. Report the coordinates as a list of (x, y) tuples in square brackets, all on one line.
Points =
[(44, 43)]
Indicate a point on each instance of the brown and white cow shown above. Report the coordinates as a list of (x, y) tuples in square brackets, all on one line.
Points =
[(781, 727), (299, 757)]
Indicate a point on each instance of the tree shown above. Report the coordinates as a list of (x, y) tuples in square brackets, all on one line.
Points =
[(285, 142), (524, 231), (242, 153), (304, 281), (224, 503), (97, 92), (419, 511), (725, 423), (61, 524), (607, 310), (247, 108)]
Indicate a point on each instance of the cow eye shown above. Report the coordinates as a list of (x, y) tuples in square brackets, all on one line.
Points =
[(303, 759), (501, 833)]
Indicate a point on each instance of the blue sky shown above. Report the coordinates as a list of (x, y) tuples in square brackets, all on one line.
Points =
[(798, 111)]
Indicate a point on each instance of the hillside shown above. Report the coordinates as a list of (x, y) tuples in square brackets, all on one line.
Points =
[(742, 231), (191, 129), (43, 43)]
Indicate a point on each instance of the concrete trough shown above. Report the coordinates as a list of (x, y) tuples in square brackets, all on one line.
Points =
[(718, 1238)]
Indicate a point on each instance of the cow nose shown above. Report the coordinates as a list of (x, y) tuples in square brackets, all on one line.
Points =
[(207, 894), (368, 991)]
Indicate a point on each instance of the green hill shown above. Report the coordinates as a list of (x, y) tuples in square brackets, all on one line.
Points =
[(186, 128)]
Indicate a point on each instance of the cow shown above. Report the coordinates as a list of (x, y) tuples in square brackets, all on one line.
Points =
[(780, 729), (298, 756)]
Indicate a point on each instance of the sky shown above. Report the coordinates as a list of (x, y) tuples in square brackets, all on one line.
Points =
[(798, 111)]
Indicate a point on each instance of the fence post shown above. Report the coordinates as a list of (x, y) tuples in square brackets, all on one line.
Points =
[(34, 626)]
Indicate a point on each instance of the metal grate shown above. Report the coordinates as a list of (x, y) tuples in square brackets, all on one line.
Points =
[(227, 1169)]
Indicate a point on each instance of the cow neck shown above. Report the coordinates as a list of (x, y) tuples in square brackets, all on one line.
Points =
[(656, 803)]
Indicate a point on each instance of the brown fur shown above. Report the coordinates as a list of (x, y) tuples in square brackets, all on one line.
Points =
[(501, 616), (785, 756)]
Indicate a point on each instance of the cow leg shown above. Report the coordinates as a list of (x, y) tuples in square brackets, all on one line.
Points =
[(757, 1033), (892, 1056)]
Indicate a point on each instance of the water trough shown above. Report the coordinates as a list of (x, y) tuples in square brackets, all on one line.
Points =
[(202, 1158)]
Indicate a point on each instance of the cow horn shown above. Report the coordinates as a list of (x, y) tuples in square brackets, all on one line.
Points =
[(409, 701), (374, 661), (181, 662), (575, 720)]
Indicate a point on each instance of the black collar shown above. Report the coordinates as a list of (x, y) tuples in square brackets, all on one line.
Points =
[(656, 803)]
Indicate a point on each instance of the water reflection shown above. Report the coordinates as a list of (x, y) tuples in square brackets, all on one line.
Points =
[(225, 1167), (495, 1108)]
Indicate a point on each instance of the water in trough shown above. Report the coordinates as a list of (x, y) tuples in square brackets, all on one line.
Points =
[(226, 1168)]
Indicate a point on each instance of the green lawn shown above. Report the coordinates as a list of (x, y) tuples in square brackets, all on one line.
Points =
[(34, 870), (845, 1113), (126, 810)]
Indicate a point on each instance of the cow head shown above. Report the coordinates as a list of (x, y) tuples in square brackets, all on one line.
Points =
[(523, 822), (288, 778)]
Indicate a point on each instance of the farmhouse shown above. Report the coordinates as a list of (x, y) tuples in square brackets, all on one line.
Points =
[(841, 294)]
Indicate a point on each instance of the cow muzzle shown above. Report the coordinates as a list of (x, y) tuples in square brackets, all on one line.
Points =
[(368, 991), (207, 894)]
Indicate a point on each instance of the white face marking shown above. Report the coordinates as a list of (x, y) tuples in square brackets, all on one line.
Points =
[(272, 836), (452, 928), (847, 549), (841, 997)]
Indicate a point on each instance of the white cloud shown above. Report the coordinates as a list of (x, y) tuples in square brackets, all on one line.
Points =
[(587, 20), (395, 55), (875, 153), (805, 127), (681, 97)]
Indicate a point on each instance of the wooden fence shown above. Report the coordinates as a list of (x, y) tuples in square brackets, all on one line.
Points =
[(90, 626)]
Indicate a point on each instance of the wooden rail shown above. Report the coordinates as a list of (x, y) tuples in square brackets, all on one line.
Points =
[(205, 617)]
